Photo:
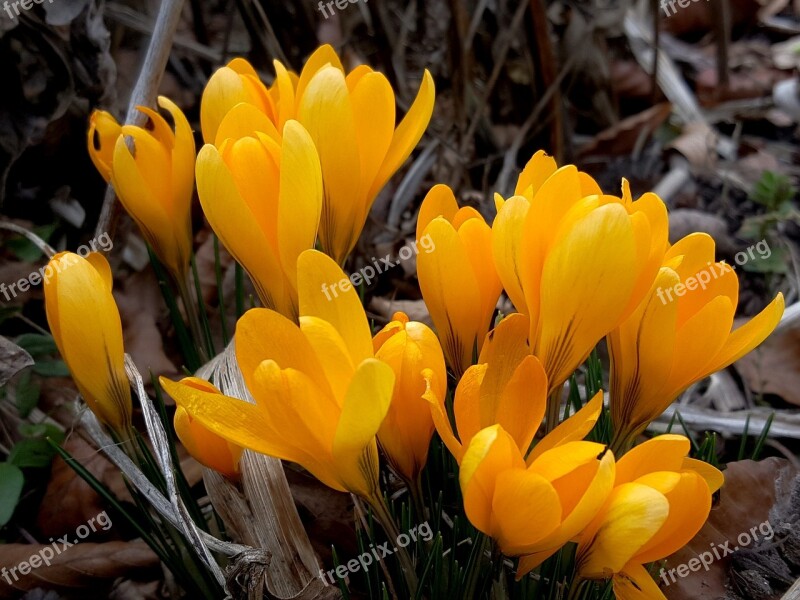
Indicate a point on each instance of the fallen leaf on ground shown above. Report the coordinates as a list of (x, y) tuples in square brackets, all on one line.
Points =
[(774, 367), (751, 490), (624, 136), (84, 565), (69, 501)]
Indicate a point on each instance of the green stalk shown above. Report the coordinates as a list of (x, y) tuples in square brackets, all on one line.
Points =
[(553, 405), (203, 315), (474, 565), (218, 276), (192, 316), (381, 512)]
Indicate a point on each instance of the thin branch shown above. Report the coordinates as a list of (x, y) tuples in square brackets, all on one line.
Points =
[(144, 93)]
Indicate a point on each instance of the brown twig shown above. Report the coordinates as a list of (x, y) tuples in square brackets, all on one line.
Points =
[(144, 92)]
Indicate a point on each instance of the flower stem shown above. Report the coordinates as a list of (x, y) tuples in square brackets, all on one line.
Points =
[(406, 563), (575, 588), (473, 575), (192, 317), (553, 409)]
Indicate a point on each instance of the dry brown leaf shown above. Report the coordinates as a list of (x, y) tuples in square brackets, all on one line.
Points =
[(698, 17), (683, 221), (698, 144), (755, 83), (84, 565), (623, 137), (12, 360), (415, 309), (630, 80), (136, 590), (746, 499), (327, 515), (774, 367), (69, 501), (140, 307)]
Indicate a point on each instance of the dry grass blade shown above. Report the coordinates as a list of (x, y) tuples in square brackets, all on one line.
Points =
[(271, 522), (162, 448)]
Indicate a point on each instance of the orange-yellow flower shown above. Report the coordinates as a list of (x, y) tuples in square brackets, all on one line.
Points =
[(351, 118), (263, 199), (672, 340), (205, 446), (533, 509), (235, 83), (507, 387), (101, 140), (458, 280), (320, 394), (576, 261), (660, 501), (155, 183), (86, 327), (409, 348)]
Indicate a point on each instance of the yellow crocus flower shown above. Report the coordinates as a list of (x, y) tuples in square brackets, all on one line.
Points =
[(351, 118), (409, 347), (205, 446), (672, 340), (576, 261), (507, 387), (235, 83), (86, 327), (660, 501), (533, 509), (155, 183), (320, 394), (458, 280), (263, 199), (101, 140)]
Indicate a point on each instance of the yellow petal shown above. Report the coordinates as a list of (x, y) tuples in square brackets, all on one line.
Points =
[(373, 108), (438, 202), (467, 406), (713, 476), (331, 352), (441, 421), (205, 446), (300, 202), (365, 405), (539, 168), (635, 583), (689, 505), (661, 453), (244, 229), (634, 514), (408, 133), (573, 429), (244, 120), (751, 334), (451, 295), (593, 485), (526, 509), (86, 326), (576, 310), (226, 88), (490, 452), (316, 272), (507, 239), (321, 57), (286, 102), (285, 344), (697, 343), (327, 113), (101, 138)]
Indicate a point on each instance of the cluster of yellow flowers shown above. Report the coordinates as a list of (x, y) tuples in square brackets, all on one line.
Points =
[(300, 163)]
